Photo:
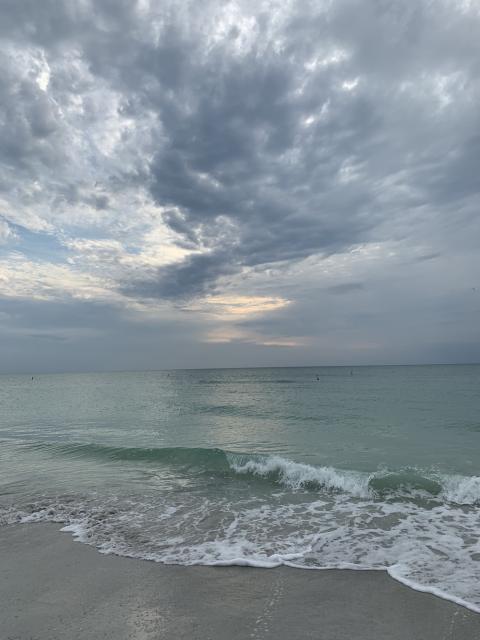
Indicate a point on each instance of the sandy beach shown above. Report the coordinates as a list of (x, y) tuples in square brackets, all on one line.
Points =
[(53, 588)]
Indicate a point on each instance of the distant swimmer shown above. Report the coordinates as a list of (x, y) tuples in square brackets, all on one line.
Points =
[(351, 372), (318, 378)]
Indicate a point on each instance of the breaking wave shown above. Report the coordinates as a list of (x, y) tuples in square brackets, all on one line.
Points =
[(382, 484)]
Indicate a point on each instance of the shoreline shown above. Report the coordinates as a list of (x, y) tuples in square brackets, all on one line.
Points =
[(52, 588)]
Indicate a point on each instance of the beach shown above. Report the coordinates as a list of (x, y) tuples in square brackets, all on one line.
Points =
[(256, 503), (53, 588), (239, 320)]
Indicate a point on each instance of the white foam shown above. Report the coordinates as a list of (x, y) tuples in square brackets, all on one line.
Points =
[(440, 593), (77, 530), (461, 489), (434, 549), (456, 489), (295, 475)]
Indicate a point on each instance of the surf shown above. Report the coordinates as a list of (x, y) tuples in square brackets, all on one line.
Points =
[(381, 484)]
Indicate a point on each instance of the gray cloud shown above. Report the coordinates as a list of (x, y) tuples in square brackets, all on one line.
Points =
[(429, 256), (195, 275), (347, 287), (48, 336), (236, 140), (258, 138)]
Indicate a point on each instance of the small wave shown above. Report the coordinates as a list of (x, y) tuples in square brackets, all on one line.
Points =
[(407, 481), (182, 456), (384, 484), (295, 475)]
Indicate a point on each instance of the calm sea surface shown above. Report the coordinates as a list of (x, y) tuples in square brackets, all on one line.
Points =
[(361, 468)]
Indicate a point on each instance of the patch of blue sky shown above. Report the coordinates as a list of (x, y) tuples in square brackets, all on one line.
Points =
[(35, 246)]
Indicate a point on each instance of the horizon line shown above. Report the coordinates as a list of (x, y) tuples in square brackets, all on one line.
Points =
[(309, 366)]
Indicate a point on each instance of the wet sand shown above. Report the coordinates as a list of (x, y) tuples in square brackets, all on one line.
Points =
[(52, 588)]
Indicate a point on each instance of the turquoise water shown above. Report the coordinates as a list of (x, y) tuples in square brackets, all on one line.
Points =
[(367, 467)]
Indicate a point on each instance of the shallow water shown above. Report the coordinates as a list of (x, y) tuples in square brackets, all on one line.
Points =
[(369, 467)]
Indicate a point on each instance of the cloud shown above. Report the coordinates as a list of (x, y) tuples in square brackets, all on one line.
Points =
[(428, 256), (158, 155), (22, 278), (233, 306), (6, 232), (311, 136), (346, 287), (193, 276)]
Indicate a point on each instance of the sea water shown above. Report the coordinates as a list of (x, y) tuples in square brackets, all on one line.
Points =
[(325, 467)]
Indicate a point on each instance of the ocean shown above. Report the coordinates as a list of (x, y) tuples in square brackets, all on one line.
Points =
[(317, 468)]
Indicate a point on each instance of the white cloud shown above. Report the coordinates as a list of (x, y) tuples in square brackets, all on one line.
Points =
[(6, 232)]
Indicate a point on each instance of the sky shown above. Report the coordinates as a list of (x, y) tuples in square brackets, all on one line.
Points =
[(238, 183)]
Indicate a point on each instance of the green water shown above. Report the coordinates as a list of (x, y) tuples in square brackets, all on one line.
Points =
[(366, 467)]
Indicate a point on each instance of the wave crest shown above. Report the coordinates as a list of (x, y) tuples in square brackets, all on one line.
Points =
[(295, 475), (408, 483), (384, 484)]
